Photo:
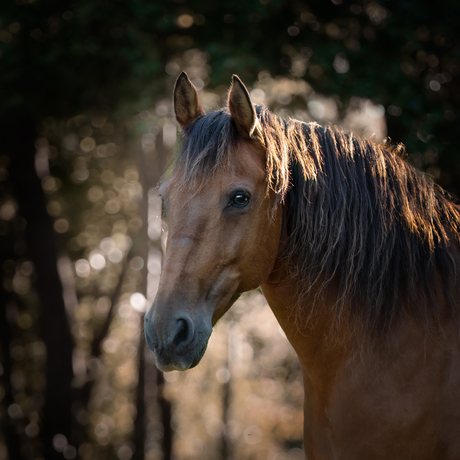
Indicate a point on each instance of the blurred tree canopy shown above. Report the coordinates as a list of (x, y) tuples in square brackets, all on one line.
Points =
[(62, 57), (79, 77)]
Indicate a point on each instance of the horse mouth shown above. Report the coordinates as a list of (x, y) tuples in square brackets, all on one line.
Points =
[(199, 356), (170, 360)]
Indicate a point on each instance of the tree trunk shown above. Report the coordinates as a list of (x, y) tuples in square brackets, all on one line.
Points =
[(42, 249), (10, 431)]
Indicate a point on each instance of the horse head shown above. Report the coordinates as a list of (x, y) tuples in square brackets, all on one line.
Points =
[(224, 224)]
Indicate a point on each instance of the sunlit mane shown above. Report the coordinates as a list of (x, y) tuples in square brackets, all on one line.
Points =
[(360, 218)]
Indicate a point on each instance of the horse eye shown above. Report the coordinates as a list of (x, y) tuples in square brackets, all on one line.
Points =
[(239, 200)]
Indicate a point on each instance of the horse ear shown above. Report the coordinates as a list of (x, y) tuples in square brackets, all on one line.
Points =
[(187, 106), (241, 109)]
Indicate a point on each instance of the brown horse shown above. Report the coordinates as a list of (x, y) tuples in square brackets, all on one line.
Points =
[(356, 253)]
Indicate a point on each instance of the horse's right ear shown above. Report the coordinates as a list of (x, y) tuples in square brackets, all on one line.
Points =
[(187, 106)]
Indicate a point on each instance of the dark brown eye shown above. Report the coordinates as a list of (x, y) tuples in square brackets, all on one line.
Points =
[(240, 200)]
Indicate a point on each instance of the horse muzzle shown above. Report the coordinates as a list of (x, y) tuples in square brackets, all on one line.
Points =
[(178, 342)]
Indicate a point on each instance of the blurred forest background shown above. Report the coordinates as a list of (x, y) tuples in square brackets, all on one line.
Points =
[(86, 125)]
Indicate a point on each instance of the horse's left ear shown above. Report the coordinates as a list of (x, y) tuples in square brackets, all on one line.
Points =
[(187, 106), (242, 110)]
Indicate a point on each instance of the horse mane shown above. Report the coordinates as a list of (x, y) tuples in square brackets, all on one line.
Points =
[(358, 216)]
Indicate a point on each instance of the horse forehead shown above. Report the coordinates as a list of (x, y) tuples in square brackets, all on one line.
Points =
[(246, 166), (246, 163), (249, 159)]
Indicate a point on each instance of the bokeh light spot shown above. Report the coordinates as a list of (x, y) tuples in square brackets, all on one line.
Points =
[(8, 210), (125, 453), (107, 244), (70, 453), (15, 411), (185, 21), (32, 430), (101, 430), (341, 64), (54, 208), (138, 301), (51, 184), (97, 260), (121, 241), (98, 121), (258, 95), (61, 225), (111, 345), (136, 263), (80, 174), (284, 98), (14, 27), (60, 442), (214, 427), (112, 206), (172, 68), (82, 268), (131, 175), (199, 83), (87, 144), (223, 375), (394, 110), (70, 141), (95, 193), (115, 255), (199, 19)]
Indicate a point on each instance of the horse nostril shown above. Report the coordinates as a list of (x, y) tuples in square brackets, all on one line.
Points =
[(183, 332)]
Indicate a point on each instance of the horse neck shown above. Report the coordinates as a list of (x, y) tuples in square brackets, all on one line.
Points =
[(307, 333), (322, 341)]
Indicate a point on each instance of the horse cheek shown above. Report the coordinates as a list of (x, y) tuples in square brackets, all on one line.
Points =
[(262, 249)]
